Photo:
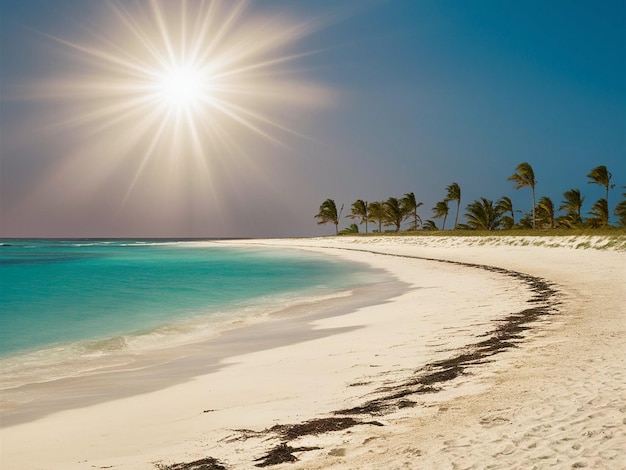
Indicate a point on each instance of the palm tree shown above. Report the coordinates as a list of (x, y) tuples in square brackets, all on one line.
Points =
[(572, 203), (482, 214), (545, 212), (411, 205), (328, 213), (504, 205), (600, 175), (430, 225), (526, 222), (454, 194), (620, 210), (377, 214), (599, 214), (352, 229), (359, 211), (441, 209), (395, 213), (524, 176)]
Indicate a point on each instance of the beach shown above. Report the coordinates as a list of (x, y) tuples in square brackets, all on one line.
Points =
[(483, 352)]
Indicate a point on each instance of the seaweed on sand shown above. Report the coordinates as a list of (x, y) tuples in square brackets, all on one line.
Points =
[(208, 463), (280, 454), (317, 426), (284, 453), (426, 379), (506, 335)]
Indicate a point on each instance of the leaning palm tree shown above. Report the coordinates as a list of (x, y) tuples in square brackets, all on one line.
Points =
[(454, 194), (600, 175), (483, 215), (572, 203), (524, 176), (440, 210), (599, 214), (328, 213), (545, 212), (411, 205), (377, 214), (395, 213), (620, 210), (504, 205), (359, 211)]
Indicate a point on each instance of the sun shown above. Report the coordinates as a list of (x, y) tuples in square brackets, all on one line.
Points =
[(182, 87), (171, 95), (195, 71)]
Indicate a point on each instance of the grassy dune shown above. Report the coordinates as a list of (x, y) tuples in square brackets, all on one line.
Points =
[(599, 239)]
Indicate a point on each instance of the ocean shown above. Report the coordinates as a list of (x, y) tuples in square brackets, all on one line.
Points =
[(72, 306)]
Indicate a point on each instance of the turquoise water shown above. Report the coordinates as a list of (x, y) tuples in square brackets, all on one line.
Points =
[(68, 300)]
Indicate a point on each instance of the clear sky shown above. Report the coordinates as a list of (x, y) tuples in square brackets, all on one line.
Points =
[(141, 119)]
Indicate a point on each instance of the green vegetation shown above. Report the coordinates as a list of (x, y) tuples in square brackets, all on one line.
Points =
[(600, 175), (411, 205), (611, 238), (394, 212), (328, 213), (454, 194), (620, 211), (359, 211), (483, 215), (545, 212), (523, 177), (572, 203), (351, 230), (528, 233), (505, 206), (487, 215)]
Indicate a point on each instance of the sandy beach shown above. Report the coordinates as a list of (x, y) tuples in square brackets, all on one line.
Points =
[(480, 353)]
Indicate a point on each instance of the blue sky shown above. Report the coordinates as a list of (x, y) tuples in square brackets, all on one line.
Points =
[(413, 95)]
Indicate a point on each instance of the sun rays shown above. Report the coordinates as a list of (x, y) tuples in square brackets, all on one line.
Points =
[(163, 93)]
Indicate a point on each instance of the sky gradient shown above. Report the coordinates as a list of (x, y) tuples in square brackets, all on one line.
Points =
[(344, 100)]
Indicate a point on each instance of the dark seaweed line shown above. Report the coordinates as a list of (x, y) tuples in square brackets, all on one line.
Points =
[(506, 335), (424, 380)]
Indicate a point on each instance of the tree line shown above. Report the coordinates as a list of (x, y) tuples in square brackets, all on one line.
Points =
[(483, 213)]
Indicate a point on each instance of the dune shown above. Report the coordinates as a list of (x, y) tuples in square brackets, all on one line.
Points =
[(486, 352)]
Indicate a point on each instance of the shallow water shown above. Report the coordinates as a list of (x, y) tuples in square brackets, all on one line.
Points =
[(70, 306)]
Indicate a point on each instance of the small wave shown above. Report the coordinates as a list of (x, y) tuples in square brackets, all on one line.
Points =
[(116, 343), (144, 244), (62, 361), (171, 335)]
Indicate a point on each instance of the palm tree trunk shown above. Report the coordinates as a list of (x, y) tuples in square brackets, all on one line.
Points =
[(444, 222), (533, 191), (456, 219)]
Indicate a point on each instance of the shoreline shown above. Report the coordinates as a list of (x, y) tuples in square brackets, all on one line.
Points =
[(149, 371), (461, 423)]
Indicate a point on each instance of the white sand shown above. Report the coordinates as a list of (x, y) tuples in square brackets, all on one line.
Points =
[(558, 400)]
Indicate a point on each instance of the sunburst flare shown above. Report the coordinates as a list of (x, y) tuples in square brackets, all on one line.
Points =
[(163, 94)]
